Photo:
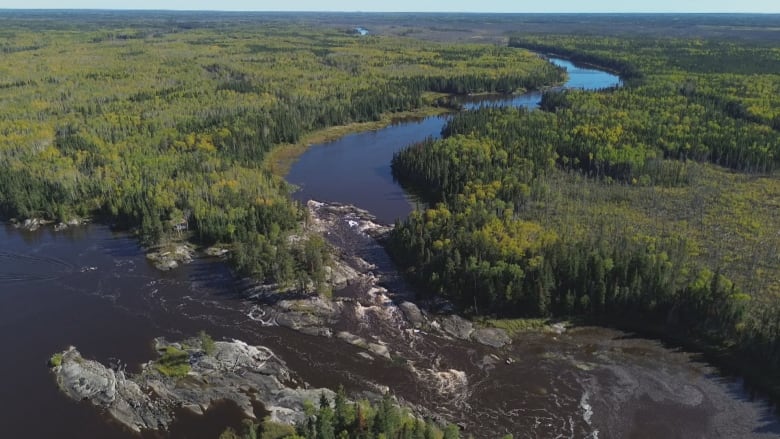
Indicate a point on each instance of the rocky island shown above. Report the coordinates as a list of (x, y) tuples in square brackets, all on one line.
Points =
[(191, 374)]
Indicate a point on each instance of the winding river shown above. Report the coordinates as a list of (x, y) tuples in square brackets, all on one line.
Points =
[(93, 288), (355, 169)]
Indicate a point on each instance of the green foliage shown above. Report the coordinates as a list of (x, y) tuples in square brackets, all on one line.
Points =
[(173, 362), (147, 123), (358, 420), (605, 205), (206, 343), (55, 360), (274, 430)]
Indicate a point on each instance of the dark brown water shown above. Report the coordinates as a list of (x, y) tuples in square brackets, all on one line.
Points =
[(94, 289)]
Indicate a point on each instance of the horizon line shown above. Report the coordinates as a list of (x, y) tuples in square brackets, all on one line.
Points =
[(397, 12)]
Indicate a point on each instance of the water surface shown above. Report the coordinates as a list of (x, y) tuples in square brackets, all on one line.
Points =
[(355, 169), (94, 289)]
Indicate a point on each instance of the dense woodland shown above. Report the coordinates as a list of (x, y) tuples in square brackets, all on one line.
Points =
[(145, 124), (652, 206), (342, 419)]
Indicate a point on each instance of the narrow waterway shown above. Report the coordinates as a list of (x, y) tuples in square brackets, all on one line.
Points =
[(93, 288), (355, 169)]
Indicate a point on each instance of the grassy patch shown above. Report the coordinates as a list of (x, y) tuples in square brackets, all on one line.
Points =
[(516, 326), (173, 363), (55, 360), (274, 430)]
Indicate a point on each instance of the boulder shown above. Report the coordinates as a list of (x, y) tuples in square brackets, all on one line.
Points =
[(412, 314), (494, 337), (216, 251), (457, 327)]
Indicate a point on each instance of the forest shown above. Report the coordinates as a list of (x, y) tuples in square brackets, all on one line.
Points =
[(149, 121), (650, 207), (343, 419)]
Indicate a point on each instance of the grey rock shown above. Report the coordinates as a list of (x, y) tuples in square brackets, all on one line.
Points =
[(375, 348), (312, 315), (379, 349), (494, 337), (235, 371), (457, 327), (340, 274), (216, 251), (353, 339), (558, 328), (412, 314), (33, 224), (171, 259), (82, 379)]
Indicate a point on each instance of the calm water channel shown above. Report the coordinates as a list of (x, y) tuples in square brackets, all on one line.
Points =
[(355, 169), (94, 289)]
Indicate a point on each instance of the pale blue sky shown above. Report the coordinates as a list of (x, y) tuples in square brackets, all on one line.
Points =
[(765, 6)]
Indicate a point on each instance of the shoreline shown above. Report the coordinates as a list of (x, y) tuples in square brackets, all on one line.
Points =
[(281, 158)]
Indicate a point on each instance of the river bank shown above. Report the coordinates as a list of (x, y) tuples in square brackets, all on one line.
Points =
[(372, 338), (279, 160), (582, 382)]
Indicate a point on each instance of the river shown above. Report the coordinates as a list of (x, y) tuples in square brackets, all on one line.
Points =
[(355, 169), (93, 288)]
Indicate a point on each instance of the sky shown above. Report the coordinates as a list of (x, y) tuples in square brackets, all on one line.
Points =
[(759, 6)]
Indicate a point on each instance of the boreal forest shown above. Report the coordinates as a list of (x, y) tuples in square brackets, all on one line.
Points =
[(162, 122), (652, 206)]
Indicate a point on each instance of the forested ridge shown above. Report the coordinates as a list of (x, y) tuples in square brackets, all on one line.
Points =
[(649, 207), (147, 122)]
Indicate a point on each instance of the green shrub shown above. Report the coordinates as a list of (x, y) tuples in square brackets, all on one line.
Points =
[(206, 343), (173, 363), (55, 360)]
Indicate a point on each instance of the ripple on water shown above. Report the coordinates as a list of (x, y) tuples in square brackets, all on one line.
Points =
[(31, 267)]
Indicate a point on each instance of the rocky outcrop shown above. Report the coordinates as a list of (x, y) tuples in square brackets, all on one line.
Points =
[(325, 215), (457, 327), (340, 274), (216, 251), (232, 371), (83, 379), (375, 348), (170, 258), (494, 337), (412, 314), (30, 224), (33, 224), (312, 315)]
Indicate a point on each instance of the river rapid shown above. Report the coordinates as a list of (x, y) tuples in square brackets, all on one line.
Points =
[(93, 288)]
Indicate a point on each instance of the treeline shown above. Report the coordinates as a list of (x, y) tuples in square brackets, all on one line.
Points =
[(627, 71), (149, 129), (735, 77), (599, 207), (346, 420)]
